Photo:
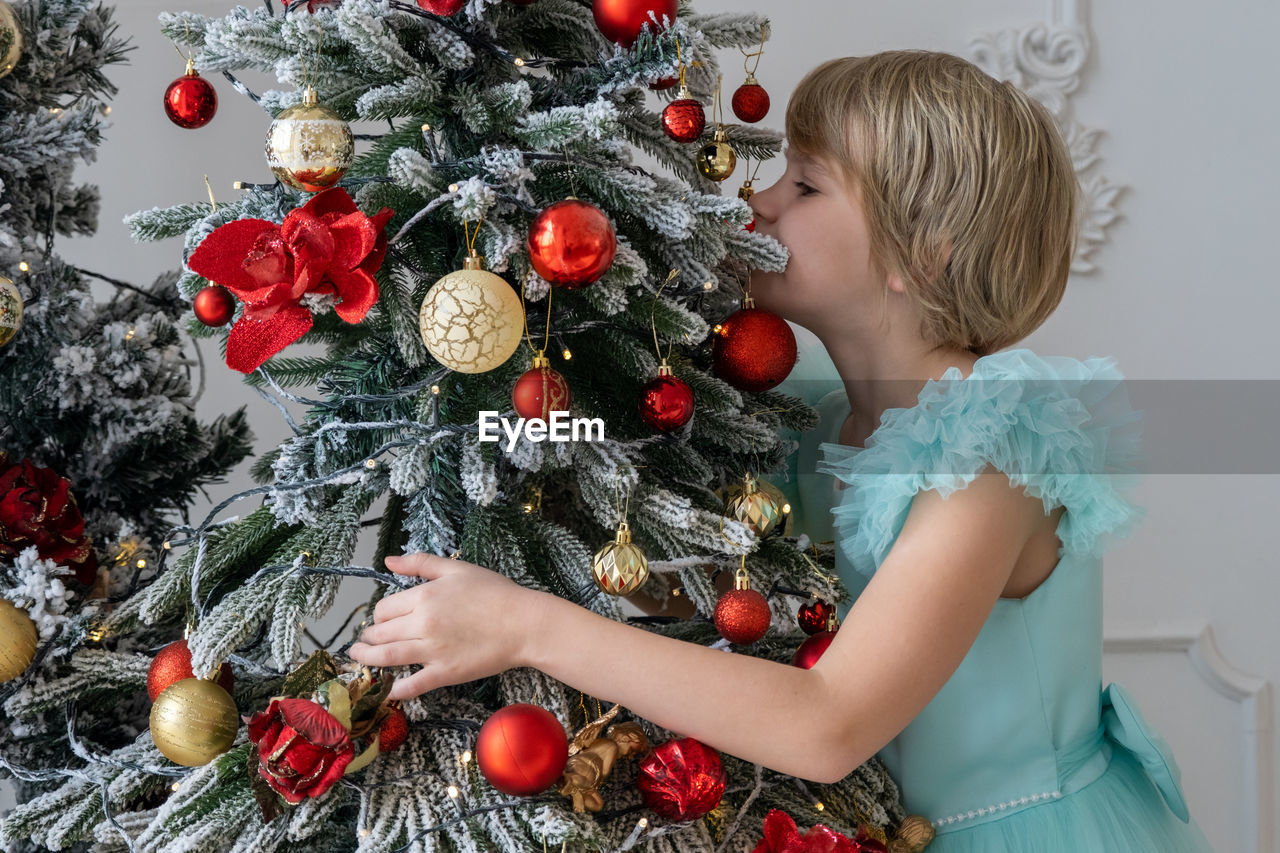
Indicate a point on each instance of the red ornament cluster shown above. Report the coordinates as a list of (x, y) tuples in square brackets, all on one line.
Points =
[(753, 349), (572, 243), (38, 510), (172, 664), (621, 20), (522, 749), (190, 101), (782, 836), (681, 779), (303, 750)]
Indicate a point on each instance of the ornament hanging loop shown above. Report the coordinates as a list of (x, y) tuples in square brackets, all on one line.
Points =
[(749, 66), (653, 318)]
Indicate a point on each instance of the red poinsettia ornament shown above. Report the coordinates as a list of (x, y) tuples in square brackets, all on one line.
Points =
[(302, 748), (781, 836), (38, 510), (327, 247)]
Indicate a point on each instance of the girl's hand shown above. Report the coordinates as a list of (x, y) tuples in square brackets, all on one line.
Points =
[(466, 623)]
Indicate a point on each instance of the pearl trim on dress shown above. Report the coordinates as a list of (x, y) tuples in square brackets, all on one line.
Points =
[(999, 807)]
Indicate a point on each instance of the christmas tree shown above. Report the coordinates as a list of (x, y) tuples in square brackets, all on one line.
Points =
[(100, 449), (502, 141)]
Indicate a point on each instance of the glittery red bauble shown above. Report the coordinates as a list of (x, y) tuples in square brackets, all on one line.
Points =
[(214, 305), (753, 350), (666, 403), (522, 749), (681, 779), (663, 83), (394, 731), (750, 102), (190, 101), (750, 226), (742, 616), (572, 243), (539, 392), (443, 8), (172, 664), (684, 120), (813, 616), (811, 649), (621, 20)]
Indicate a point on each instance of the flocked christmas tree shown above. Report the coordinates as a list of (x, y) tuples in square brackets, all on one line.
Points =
[(503, 142), (100, 449)]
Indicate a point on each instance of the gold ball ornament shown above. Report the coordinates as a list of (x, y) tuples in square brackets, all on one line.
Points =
[(717, 159), (10, 39), (18, 641), (10, 311), (620, 568), (194, 721), (471, 320), (309, 146), (755, 507)]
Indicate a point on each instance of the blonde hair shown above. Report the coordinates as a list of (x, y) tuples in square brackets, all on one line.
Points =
[(968, 187)]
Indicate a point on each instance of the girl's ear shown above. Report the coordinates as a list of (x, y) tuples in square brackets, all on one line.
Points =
[(894, 282)]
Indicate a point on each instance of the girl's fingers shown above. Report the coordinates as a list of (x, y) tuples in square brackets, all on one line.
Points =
[(414, 685), (420, 565), (401, 653), (393, 606), (391, 631)]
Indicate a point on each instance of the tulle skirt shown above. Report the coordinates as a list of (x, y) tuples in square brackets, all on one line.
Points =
[(1120, 812)]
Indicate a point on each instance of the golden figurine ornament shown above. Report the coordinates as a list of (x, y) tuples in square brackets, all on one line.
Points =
[(193, 721), (18, 641), (914, 834), (749, 503), (717, 159), (309, 146), (620, 568), (10, 310), (471, 319), (592, 756), (10, 39)]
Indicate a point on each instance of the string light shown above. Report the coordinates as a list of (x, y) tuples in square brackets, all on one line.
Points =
[(519, 62), (818, 806), (786, 509), (453, 188), (175, 786), (128, 336), (644, 822), (426, 128), (566, 355), (142, 563), (466, 757), (370, 464), (708, 285), (435, 389), (363, 832), (24, 266), (238, 185), (168, 546), (452, 791)]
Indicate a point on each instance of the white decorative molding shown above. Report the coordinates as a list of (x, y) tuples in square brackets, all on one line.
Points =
[(1254, 697), (1047, 61)]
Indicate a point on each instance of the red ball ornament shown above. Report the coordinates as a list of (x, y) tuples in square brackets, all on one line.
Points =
[(214, 305), (190, 101), (750, 101), (522, 749), (621, 20), (750, 226), (811, 649), (813, 616), (394, 731), (742, 616), (662, 84), (572, 243), (442, 8), (684, 119), (754, 349), (666, 402), (540, 391), (172, 664), (681, 779)]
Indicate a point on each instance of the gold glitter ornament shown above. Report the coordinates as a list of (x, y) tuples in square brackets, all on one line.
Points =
[(620, 568), (10, 39), (309, 146), (10, 311), (18, 641), (193, 721), (471, 320), (717, 159), (754, 506)]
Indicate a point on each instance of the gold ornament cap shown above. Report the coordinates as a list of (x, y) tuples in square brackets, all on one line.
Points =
[(623, 536), (473, 262), (540, 361)]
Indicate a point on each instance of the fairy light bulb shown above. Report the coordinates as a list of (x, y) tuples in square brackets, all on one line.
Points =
[(566, 355), (142, 563), (435, 389), (466, 756), (24, 266), (452, 791)]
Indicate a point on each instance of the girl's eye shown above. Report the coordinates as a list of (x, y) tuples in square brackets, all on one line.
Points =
[(805, 189)]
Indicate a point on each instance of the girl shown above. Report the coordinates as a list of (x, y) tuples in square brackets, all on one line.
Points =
[(930, 215)]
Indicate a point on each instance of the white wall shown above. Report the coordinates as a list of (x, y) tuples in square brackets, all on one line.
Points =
[(1187, 290)]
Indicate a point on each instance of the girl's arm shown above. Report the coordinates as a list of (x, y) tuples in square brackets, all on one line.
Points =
[(904, 637)]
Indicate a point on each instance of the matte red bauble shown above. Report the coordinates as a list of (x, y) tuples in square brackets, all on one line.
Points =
[(572, 243), (190, 101), (214, 305), (750, 101), (666, 402), (742, 616), (753, 349), (522, 749), (684, 119), (813, 616), (394, 731), (811, 649), (443, 8), (621, 20), (172, 664), (540, 391), (682, 779)]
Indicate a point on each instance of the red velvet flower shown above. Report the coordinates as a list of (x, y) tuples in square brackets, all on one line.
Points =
[(37, 508), (326, 247), (302, 748), (781, 836)]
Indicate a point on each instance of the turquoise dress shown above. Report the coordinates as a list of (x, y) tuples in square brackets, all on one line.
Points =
[(1022, 750)]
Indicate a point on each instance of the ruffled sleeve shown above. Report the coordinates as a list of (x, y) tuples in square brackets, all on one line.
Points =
[(1062, 428)]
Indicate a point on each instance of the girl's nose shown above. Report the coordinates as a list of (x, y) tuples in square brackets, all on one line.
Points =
[(764, 203)]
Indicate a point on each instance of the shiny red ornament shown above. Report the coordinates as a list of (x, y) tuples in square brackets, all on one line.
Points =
[(442, 8), (750, 101), (742, 616), (813, 616), (522, 749), (666, 402), (684, 119), (190, 101), (394, 731), (572, 243), (753, 349), (540, 391), (621, 20), (172, 664), (812, 649), (681, 779), (214, 306)]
